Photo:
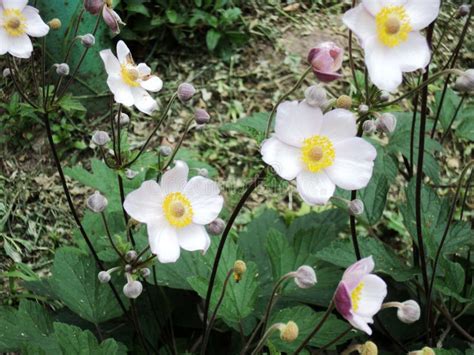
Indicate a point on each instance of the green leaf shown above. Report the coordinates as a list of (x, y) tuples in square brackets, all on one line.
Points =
[(139, 9), (465, 129), (451, 281), (212, 39), (374, 197), (172, 16), (75, 283), (69, 104), (253, 126), (450, 103)]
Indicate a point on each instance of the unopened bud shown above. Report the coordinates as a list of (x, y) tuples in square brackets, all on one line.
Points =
[(463, 10), (165, 150), (131, 256), (369, 348), (93, 6), (203, 172), (356, 207), (100, 138), (363, 109), (55, 24), (145, 272), (202, 117), (425, 351), (123, 119), (112, 19), (386, 123), (103, 277), (185, 92), (344, 101), (132, 289), (6, 72), (97, 202), (289, 332), (305, 277), (88, 40), (409, 312), (239, 269), (384, 96), (369, 126), (62, 69), (130, 174), (465, 82), (316, 96), (127, 268), (216, 227)]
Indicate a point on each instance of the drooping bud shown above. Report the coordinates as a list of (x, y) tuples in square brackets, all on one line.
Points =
[(356, 207), (409, 312), (185, 92), (112, 19), (104, 277), (55, 24), (316, 96), (131, 256), (369, 126), (289, 332), (132, 288), (165, 150), (145, 272), (386, 123), (463, 10), (202, 117), (216, 227), (6, 72), (203, 172), (62, 69), (425, 351), (123, 119), (465, 82), (100, 138), (97, 202), (326, 59), (93, 6), (344, 102), (369, 348), (363, 109), (88, 40), (240, 267), (130, 174), (305, 277)]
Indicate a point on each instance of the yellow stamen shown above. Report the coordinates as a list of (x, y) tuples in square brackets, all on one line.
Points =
[(317, 153), (130, 75), (393, 25), (178, 210), (14, 22), (356, 296)]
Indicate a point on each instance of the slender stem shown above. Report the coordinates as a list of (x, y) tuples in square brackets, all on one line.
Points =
[(109, 235), (332, 342), (181, 140), (316, 328), (453, 119), (16, 83), (412, 132), (351, 57), (119, 137), (264, 338), (253, 185), (352, 220), (214, 314), (125, 215)]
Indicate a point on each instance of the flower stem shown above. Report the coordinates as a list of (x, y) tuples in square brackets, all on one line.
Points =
[(452, 120), (335, 340), (264, 338), (181, 140), (109, 235)]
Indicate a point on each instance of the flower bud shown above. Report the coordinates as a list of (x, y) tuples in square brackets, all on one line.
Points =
[(131, 256), (55, 24), (305, 277), (130, 174), (128, 268), (203, 172), (425, 351), (123, 119), (145, 272), (239, 269), (326, 59), (112, 19), (6, 72), (216, 227), (100, 138), (93, 6), (88, 40), (463, 10), (384, 96), (97, 202), (62, 69), (185, 92), (289, 332), (369, 348), (103, 277), (386, 123), (409, 311), (202, 117), (132, 289), (356, 207), (363, 109), (344, 101), (369, 126), (316, 96), (465, 82), (165, 150)]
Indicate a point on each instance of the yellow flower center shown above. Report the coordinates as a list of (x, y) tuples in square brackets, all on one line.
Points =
[(317, 153), (130, 75), (178, 210), (14, 22), (356, 296), (393, 25)]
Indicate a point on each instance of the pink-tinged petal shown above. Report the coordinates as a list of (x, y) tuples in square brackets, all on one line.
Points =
[(342, 300), (361, 22), (283, 158), (422, 13), (35, 27), (339, 124), (164, 243), (123, 53), (111, 63), (413, 54), (152, 83), (175, 179), (315, 188), (362, 267), (205, 200), (296, 121), (193, 237), (361, 323), (20, 47), (14, 4), (372, 295), (326, 77), (326, 60), (143, 101), (112, 19), (144, 204), (122, 92)]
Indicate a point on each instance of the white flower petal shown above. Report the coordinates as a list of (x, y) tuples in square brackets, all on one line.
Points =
[(111, 63), (123, 53), (14, 4), (372, 295), (283, 158), (339, 124), (35, 26), (143, 101), (152, 83), (144, 204), (315, 188), (413, 54), (175, 179), (422, 12), (384, 70), (205, 200), (361, 22), (193, 237), (4, 41), (122, 92), (20, 47), (374, 6), (163, 240), (361, 323), (297, 121), (143, 69)]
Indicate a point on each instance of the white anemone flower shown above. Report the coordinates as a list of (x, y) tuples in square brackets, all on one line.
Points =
[(321, 152), (18, 21), (389, 32), (176, 211), (129, 82)]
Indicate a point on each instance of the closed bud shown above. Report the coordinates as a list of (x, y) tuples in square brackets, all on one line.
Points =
[(369, 348), (202, 117), (185, 92), (356, 207), (165, 150), (88, 40), (344, 102), (409, 311), (384, 96), (103, 277), (130, 174), (316, 96), (386, 123), (55, 24), (97, 202), (62, 69), (132, 289), (363, 109), (203, 172), (369, 126), (305, 277), (131, 256), (425, 351), (128, 268), (463, 10), (6, 72), (93, 6), (465, 82), (145, 272), (216, 227), (239, 269), (112, 19), (123, 119), (100, 138), (289, 332)]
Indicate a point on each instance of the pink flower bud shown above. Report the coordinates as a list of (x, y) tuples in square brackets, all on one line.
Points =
[(93, 6), (326, 60), (112, 19)]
